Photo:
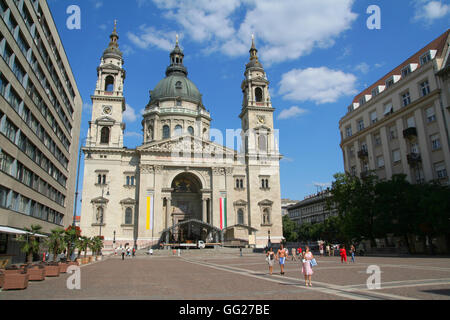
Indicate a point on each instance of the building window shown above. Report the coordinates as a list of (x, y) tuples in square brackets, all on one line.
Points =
[(240, 216), (396, 156), (393, 133), (129, 216), (406, 70), (425, 58), (109, 83), (348, 131), (130, 181), (435, 142), (240, 184), (431, 116), (411, 122), (377, 139), (264, 183), (406, 99), (104, 135), (373, 117), (178, 130), (99, 217), (424, 88), (360, 124), (178, 85), (258, 95), (101, 179), (353, 171), (166, 132), (414, 148), (266, 216), (389, 82), (262, 143), (380, 162), (441, 171), (191, 130)]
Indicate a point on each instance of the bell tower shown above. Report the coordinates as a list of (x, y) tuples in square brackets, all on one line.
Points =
[(108, 103), (257, 111)]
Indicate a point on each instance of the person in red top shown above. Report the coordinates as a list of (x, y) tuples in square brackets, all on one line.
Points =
[(299, 251), (343, 254)]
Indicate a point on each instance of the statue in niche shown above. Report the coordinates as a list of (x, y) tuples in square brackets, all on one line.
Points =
[(182, 185), (150, 133)]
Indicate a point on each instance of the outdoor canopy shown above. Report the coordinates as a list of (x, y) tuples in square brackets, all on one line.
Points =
[(18, 231)]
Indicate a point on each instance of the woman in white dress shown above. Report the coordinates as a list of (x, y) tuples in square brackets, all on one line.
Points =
[(306, 267), (270, 259)]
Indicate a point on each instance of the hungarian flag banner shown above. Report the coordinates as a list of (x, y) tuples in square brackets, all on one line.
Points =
[(223, 213)]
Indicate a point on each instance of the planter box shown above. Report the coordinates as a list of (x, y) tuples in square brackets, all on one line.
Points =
[(91, 258), (15, 271), (2, 279), (63, 267), (15, 281), (84, 260), (36, 273), (51, 271), (73, 263)]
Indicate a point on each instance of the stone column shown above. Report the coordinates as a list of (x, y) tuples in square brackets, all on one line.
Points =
[(204, 210)]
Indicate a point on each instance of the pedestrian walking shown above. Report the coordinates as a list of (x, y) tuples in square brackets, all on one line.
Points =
[(123, 253), (281, 257), (321, 249), (134, 251), (306, 266), (328, 249), (353, 252), (299, 251), (129, 252), (343, 254), (270, 258)]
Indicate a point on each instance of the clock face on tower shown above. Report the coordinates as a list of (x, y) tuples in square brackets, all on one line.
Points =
[(107, 109), (261, 119)]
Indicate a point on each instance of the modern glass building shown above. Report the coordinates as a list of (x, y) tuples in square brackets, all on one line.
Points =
[(40, 114)]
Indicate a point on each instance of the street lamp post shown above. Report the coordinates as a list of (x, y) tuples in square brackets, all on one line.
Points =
[(78, 178), (268, 235)]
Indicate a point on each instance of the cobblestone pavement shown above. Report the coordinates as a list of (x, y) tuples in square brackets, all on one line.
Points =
[(209, 275)]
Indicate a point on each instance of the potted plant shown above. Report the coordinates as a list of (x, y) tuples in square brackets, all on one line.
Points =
[(56, 245), (82, 245), (30, 241), (71, 235), (97, 245)]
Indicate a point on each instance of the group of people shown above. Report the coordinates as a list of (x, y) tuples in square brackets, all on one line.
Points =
[(307, 258), (125, 251), (283, 253)]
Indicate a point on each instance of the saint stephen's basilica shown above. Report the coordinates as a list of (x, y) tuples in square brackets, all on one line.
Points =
[(179, 186)]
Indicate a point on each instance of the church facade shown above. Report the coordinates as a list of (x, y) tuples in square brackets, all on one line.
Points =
[(179, 186)]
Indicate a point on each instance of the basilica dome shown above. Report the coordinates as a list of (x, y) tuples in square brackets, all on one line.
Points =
[(175, 86)]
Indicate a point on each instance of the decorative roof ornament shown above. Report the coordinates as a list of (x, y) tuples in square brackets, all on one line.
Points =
[(113, 47), (254, 62)]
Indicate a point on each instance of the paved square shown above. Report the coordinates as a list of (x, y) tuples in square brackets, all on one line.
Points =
[(215, 275)]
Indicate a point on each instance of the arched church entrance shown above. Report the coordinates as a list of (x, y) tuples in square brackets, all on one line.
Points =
[(186, 205)]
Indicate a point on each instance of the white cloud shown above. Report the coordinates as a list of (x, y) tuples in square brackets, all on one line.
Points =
[(132, 134), (428, 11), (149, 36), (129, 114), (98, 4), (292, 112), (362, 67), (321, 85), (284, 30), (87, 106)]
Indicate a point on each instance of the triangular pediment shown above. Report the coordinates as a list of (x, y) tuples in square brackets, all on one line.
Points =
[(105, 119), (99, 200), (187, 144)]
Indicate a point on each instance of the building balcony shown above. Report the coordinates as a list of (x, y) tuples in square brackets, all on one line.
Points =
[(413, 159), (410, 133), (363, 153)]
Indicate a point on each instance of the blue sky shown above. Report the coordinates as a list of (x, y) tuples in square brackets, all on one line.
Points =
[(318, 54)]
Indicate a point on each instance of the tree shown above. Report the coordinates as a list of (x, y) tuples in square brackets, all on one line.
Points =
[(289, 229), (82, 244), (30, 244), (96, 245), (71, 235), (55, 242)]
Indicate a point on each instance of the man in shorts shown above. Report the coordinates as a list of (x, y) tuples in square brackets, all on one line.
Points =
[(281, 256)]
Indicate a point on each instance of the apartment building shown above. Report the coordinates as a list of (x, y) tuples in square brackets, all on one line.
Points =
[(313, 209), (399, 125), (40, 115)]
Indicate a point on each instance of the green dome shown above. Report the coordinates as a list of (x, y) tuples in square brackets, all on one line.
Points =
[(174, 86)]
